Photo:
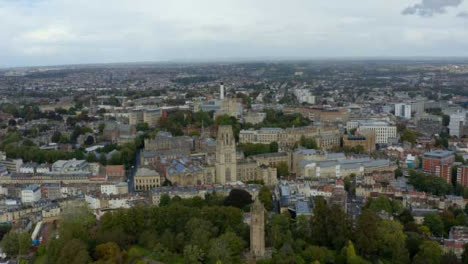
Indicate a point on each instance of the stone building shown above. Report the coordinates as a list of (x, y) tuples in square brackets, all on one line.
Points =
[(164, 141), (287, 138), (146, 179), (120, 134), (366, 139), (257, 230), (250, 170), (328, 140), (225, 156)]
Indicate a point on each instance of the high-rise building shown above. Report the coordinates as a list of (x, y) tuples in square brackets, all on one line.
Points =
[(457, 121), (225, 156), (462, 176), (403, 110), (257, 230), (221, 91)]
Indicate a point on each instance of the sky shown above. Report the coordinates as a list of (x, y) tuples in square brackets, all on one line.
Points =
[(56, 32)]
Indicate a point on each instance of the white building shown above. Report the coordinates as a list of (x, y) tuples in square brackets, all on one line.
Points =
[(114, 189), (3, 191), (403, 110), (382, 129), (70, 166), (457, 120), (31, 194), (304, 96), (43, 168), (28, 168)]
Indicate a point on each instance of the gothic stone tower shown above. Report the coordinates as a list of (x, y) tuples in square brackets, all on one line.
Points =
[(225, 156), (257, 230)]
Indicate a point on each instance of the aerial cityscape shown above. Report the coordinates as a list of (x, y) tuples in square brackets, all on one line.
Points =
[(278, 153)]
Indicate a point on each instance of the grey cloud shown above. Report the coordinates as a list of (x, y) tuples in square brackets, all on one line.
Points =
[(428, 8), (463, 14)]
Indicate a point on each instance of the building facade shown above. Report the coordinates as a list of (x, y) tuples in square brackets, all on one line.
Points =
[(226, 161), (433, 159)]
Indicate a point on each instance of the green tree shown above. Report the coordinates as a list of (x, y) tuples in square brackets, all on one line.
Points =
[(303, 229), (429, 253), (91, 157), (435, 224), (165, 200), (381, 204), (279, 230), (465, 254), (108, 252), (193, 254), (238, 198), (219, 252), (367, 233), (10, 243), (142, 127), (116, 159), (24, 242), (391, 241), (103, 159), (75, 252), (309, 143), (56, 137), (282, 169), (274, 146), (266, 198)]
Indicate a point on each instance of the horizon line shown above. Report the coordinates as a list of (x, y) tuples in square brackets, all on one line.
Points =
[(252, 60)]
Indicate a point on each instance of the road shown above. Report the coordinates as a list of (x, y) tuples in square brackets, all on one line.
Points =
[(131, 173)]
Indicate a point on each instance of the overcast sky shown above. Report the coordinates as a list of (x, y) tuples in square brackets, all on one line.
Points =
[(50, 32)]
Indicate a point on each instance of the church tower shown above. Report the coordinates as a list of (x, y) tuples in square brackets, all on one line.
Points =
[(225, 156), (257, 230)]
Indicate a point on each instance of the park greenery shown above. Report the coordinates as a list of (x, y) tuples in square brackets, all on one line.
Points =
[(212, 230), (250, 149)]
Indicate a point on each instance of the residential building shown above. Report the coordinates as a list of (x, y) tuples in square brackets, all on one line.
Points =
[(436, 158), (115, 173), (304, 96), (115, 188), (429, 124), (462, 176), (457, 121), (403, 110), (458, 237), (31, 194), (444, 171), (51, 191), (70, 166), (28, 168)]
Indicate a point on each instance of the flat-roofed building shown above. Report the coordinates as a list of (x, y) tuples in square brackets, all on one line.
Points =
[(436, 158), (382, 129), (31, 194)]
